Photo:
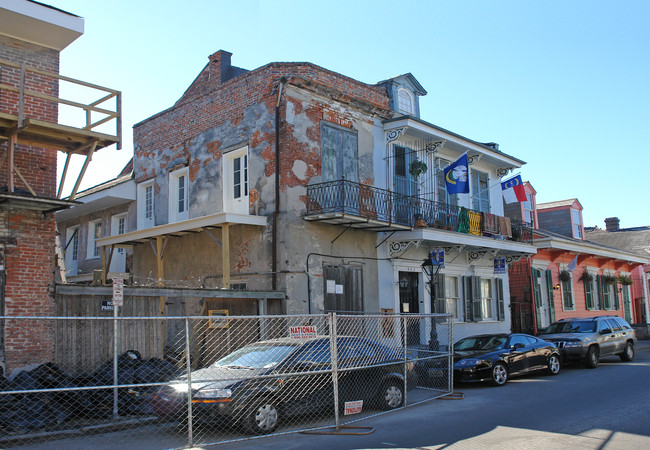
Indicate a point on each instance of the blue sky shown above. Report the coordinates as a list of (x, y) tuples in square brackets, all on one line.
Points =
[(563, 85)]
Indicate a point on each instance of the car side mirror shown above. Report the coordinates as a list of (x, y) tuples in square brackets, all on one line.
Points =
[(605, 331), (517, 346)]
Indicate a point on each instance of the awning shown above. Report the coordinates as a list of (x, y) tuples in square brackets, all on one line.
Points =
[(195, 225)]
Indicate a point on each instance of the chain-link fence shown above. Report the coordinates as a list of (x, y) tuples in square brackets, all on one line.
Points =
[(200, 380)]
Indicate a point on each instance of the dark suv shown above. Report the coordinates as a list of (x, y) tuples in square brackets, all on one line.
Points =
[(590, 338)]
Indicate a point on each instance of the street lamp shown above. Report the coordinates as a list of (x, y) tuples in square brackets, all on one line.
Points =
[(428, 268)]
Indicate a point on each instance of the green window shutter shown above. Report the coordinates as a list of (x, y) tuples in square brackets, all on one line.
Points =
[(501, 313), (476, 299), (589, 294), (537, 296), (626, 304), (599, 292), (606, 291), (467, 299), (440, 304), (617, 304), (551, 294)]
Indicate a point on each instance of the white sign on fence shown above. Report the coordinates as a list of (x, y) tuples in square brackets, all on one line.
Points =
[(353, 407), (301, 332), (118, 291)]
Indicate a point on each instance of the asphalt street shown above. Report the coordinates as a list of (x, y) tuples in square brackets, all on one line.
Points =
[(605, 408)]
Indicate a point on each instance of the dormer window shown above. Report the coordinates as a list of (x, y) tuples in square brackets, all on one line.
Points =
[(405, 101), (576, 222)]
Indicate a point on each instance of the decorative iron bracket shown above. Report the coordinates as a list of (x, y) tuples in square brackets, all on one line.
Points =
[(513, 258), (433, 147), (503, 171), (475, 255), (401, 246), (393, 135), (473, 158)]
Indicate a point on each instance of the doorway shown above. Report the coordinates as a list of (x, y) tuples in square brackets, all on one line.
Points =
[(409, 303), (235, 181)]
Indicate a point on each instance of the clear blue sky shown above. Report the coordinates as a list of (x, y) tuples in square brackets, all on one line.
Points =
[(563, 85)]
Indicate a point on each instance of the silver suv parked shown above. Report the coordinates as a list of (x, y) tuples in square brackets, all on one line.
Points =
[(591, 338)]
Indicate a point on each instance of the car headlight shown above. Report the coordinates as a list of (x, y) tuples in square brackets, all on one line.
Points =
[(469, 362), (213, 394), (573, 344)]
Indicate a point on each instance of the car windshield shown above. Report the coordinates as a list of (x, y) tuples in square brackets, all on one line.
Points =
[(256, 356), (480, 343), (579, 326)]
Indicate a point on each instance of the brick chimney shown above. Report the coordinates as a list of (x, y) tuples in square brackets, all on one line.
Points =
[(612, 224), (219, 70)]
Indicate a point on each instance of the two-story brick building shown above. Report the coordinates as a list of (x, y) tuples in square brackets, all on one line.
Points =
[(292, 177), (570, 275), (31, 37)]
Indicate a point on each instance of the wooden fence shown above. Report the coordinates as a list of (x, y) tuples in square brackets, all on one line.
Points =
[(84, 328)]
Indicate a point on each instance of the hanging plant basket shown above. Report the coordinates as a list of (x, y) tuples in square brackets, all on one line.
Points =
[(417, 168), (565, 275), (609, 279), (624, 280), (586, 277)]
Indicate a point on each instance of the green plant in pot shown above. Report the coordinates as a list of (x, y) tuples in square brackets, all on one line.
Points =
[(565, 275), (609, 279), (586, 277), (417, 168), (624, 280)]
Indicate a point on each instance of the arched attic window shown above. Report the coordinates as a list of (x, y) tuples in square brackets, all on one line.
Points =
[(405, 99)]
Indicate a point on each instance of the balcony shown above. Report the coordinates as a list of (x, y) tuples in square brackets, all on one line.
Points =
[(347, 203), (28, 108)]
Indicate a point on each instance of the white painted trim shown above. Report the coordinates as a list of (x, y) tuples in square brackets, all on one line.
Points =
[(173, 196), (195, 224)]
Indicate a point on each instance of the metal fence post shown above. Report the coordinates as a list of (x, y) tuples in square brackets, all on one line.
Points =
[(335, 375), (116, 412), (450, 353), (188, 364), (405, 358)]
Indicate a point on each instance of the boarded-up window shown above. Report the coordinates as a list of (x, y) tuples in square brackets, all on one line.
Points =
[(343, 288), (339, 154)]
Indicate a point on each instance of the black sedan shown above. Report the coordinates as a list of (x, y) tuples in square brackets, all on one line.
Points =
[(263, 382), (497, 357)]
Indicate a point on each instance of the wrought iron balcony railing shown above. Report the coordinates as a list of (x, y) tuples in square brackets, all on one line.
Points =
[(390, 208)]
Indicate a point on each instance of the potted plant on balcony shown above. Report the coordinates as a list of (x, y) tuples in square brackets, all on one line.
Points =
[(609, 279), (565, 275), (417, 168), (624, 280), (586, 277)]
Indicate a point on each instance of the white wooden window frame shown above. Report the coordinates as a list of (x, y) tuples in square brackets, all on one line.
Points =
[(231, 203), (92, 251), (179, 200), (405, 101), (143, 220)]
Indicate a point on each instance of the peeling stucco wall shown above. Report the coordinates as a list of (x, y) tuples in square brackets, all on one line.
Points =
[(241, 112)]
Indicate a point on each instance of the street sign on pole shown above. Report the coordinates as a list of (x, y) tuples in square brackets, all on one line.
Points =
[(118, 291)]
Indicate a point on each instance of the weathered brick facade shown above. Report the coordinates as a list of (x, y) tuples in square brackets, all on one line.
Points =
[(28, 237)]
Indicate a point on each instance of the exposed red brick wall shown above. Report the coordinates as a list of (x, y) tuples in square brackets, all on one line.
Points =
[(29, 274), (227, 103), (30, 262)]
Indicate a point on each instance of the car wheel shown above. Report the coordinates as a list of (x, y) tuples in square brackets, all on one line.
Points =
[(499, 374), (592, 358), (628, 353), (262, 418), (554, 365), (391, 395)]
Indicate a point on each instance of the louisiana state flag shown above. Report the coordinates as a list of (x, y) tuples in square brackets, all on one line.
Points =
[(513, 190), (456, 176)]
